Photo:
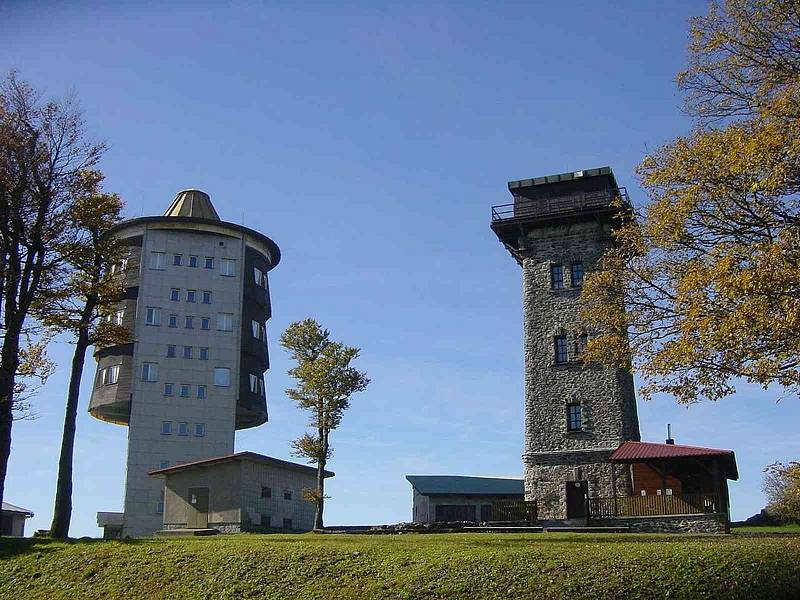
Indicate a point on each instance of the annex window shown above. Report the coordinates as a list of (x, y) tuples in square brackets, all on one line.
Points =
[(160, 507), (185, 389), (191, 295), (199, 429), (576, 273), (170, 350), (209, 262), (561, 354), (192, 261), (166, 427), (168, 389), (227, 267), (187, 352), (203, 353), (158, 260), (205, 323), (149, 371), (173, 320), (201, 391), (177, 259), (574, 417), (222, 376), (189, 321), (153, 316), (287, 494), (225, 321), (266, 492), (110, 375), (206, 297), (175, 294), (183, 429), (557, 277)]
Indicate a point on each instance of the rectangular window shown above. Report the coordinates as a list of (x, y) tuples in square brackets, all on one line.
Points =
[(199, 429), (562, 355), (168, 389), (222, 376), (225, 321), (205, 323), (255, 327), (259, 277), (175, 294), (227, 267), (256, 384), (166, 427), (177, 259), (185, 390), (201, 391), (191, 295), (183, 429), (173, 320), (266, 492), (192, 261), (287, 524), (287, 494), (576, 273), (153, 316), (149, 371), (209, 262), (160, 507), (158, 260), (170, 351), (266, 521), (580, 343), (206, 297), (110, 375), (203, 353), (574, 417), (557, 277), (187, 352), (189, 322)]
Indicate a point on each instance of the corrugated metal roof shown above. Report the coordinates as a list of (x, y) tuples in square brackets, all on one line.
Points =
[(239, 456), (192, 203), (559, 177), (430, 485), (8, 507), (641, 451)]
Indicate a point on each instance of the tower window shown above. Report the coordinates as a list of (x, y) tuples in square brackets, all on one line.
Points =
[(206, 297), (187, 352), (177, 259), (175, 294), (199, 429), (166, 427), (201, 391), (576, 273), (183, 429), (209, 262), (580, 343), (562, 355), (557, 277), (191, 295), (203, 353), (256, 384), (225, 321), (257, 330), (192, 261), (158, 260), (110, 375), (574, 417), (205, 323), (266, 492), (287, 495), (168, 389), (227, 267), (185, 390), (189, 322), (153, 316), (222, 376), (149, 371), (173, 320), (170, 351)]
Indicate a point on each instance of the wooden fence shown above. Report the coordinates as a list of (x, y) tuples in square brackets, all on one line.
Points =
[(651, 506), (514, 510)]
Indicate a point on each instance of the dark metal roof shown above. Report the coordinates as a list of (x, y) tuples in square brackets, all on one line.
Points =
[(192, 203), (240, 456), (559, 177), (435, 485), (630, 452), (8, 507)]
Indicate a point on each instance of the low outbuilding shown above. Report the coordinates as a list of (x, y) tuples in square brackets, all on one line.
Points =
[(447, 498), (13, 520)]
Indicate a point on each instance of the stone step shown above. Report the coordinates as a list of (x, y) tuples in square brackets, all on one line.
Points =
[(186, 532), (504, 529), (587, 529)]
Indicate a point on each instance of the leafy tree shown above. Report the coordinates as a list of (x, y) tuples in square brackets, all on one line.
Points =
[(703, 286), (45, 165), (326, 382), (85, 308), (782, 486)]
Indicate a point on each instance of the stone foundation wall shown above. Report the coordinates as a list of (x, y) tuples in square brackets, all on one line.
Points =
[(707, 523)]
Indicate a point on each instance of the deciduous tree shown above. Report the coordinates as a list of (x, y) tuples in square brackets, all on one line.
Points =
[(782, 486), (325, 383)]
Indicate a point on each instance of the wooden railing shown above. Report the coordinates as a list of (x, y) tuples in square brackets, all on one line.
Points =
[(514, 510), (651, 506)]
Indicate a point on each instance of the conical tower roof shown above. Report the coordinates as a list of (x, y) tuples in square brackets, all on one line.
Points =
[(192, 203)]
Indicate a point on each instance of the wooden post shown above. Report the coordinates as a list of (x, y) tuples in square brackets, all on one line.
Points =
[(614, 486)]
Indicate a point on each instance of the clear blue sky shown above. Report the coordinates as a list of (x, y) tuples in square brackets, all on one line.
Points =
[(369, 140)]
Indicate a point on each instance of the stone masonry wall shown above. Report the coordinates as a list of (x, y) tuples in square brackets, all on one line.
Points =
[(708, 523)]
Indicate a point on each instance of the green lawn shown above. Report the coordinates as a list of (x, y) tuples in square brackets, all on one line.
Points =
[(791, 528), (458, 566)]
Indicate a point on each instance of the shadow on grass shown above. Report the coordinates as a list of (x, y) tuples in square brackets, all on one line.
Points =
[(10, 546)]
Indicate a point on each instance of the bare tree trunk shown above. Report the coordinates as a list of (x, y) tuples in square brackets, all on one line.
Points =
[(8, 371), (321, 480), (62, 511)]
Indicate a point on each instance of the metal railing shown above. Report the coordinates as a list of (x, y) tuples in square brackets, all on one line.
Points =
[(652, 506), (526, 208), (514, 510)]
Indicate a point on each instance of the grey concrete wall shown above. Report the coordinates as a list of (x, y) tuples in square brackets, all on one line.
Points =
[(254, 476), (224, 498)]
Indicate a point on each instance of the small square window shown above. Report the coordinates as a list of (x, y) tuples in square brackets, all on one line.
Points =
[(191, 295), (205, 323), (183, 429), (203, 353), (266, 492), (187, 352), (576, 273), (222, 376), (189, 322), (227, 267), (201, 391), (557, 277), (206, 297), (562, 355), (170, 351), (173, 320), (192, 261), (287, 494), (225, 321), (168, 389), (574, 417), (153, 316), (199, 429), (209, 262), (166, 427), (175, 294), (177, 259), (185, 390)]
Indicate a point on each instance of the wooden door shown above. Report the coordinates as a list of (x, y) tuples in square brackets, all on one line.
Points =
[(576, 499), (198, 508)]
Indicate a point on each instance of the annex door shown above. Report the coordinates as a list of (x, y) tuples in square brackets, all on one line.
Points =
[(576, 499), (198, 508)]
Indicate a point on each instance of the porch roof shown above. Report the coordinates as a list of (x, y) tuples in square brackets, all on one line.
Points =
[(633, 452)]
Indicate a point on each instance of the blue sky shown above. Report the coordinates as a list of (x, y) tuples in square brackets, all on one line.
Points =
[(370, 140)]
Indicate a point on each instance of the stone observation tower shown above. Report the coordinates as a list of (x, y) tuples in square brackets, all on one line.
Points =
[(576, 414), (196, 302)]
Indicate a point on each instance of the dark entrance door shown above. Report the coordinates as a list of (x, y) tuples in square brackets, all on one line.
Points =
[(576, 499), (198, 511)]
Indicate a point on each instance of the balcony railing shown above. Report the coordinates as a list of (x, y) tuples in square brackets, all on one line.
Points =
[(652, 506), (525, 208)]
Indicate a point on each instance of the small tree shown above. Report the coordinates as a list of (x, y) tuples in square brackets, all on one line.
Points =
[(326, 381), (782, 486), (91, 293)]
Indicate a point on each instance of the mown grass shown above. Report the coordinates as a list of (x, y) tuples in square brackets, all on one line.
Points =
[(788, 528), (411, 566)]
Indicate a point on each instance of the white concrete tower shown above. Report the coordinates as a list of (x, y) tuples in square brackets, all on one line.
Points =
[(197, 302)]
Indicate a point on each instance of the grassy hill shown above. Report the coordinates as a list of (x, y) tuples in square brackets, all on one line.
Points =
[(412, 566)]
